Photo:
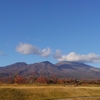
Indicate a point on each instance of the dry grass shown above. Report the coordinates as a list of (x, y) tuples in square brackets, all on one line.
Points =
[(37, 92)]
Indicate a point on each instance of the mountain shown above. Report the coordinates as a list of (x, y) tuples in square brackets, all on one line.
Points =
[(78, 70), (63, 69)]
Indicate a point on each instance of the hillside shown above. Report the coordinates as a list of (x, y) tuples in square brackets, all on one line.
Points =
[(62, 69)]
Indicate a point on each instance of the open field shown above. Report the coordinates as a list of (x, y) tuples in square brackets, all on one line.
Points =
[(48, 92)]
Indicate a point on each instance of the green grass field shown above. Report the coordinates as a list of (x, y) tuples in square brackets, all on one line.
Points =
[(50, 92)]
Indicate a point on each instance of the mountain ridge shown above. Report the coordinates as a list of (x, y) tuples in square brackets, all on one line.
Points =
[(63, 69)]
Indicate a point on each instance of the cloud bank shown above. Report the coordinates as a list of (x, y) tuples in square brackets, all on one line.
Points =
[(25, 48), (74, 57)]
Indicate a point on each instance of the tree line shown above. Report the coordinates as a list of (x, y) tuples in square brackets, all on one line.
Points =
[(42, 79)]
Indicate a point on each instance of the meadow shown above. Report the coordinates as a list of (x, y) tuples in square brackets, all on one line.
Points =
[(48, 92)]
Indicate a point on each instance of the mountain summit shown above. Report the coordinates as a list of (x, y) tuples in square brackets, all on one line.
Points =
[(63, 69)]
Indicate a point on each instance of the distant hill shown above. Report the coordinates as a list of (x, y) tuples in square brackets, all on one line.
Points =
[(63, 69)]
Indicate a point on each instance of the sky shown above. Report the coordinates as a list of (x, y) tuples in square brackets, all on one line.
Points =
[(50, 30)]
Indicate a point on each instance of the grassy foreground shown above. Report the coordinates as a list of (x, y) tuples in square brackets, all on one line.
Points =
[(41, 92)]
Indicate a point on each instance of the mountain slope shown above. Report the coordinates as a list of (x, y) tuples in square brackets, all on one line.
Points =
[(78, 70), (62, 69)]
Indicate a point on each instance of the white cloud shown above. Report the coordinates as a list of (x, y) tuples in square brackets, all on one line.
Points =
[(45, 52), (58, 54), (72, 56), (2, 54), (25, 48)]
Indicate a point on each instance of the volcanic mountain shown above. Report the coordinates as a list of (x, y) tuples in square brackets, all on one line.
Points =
[(63, 69)]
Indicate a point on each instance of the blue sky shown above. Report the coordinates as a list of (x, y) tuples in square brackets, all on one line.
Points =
[(54, 30)]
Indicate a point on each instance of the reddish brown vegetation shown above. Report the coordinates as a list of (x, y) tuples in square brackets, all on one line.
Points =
[(45, 80)]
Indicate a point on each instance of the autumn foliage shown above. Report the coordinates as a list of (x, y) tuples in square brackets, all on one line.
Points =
[(18, 79)]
